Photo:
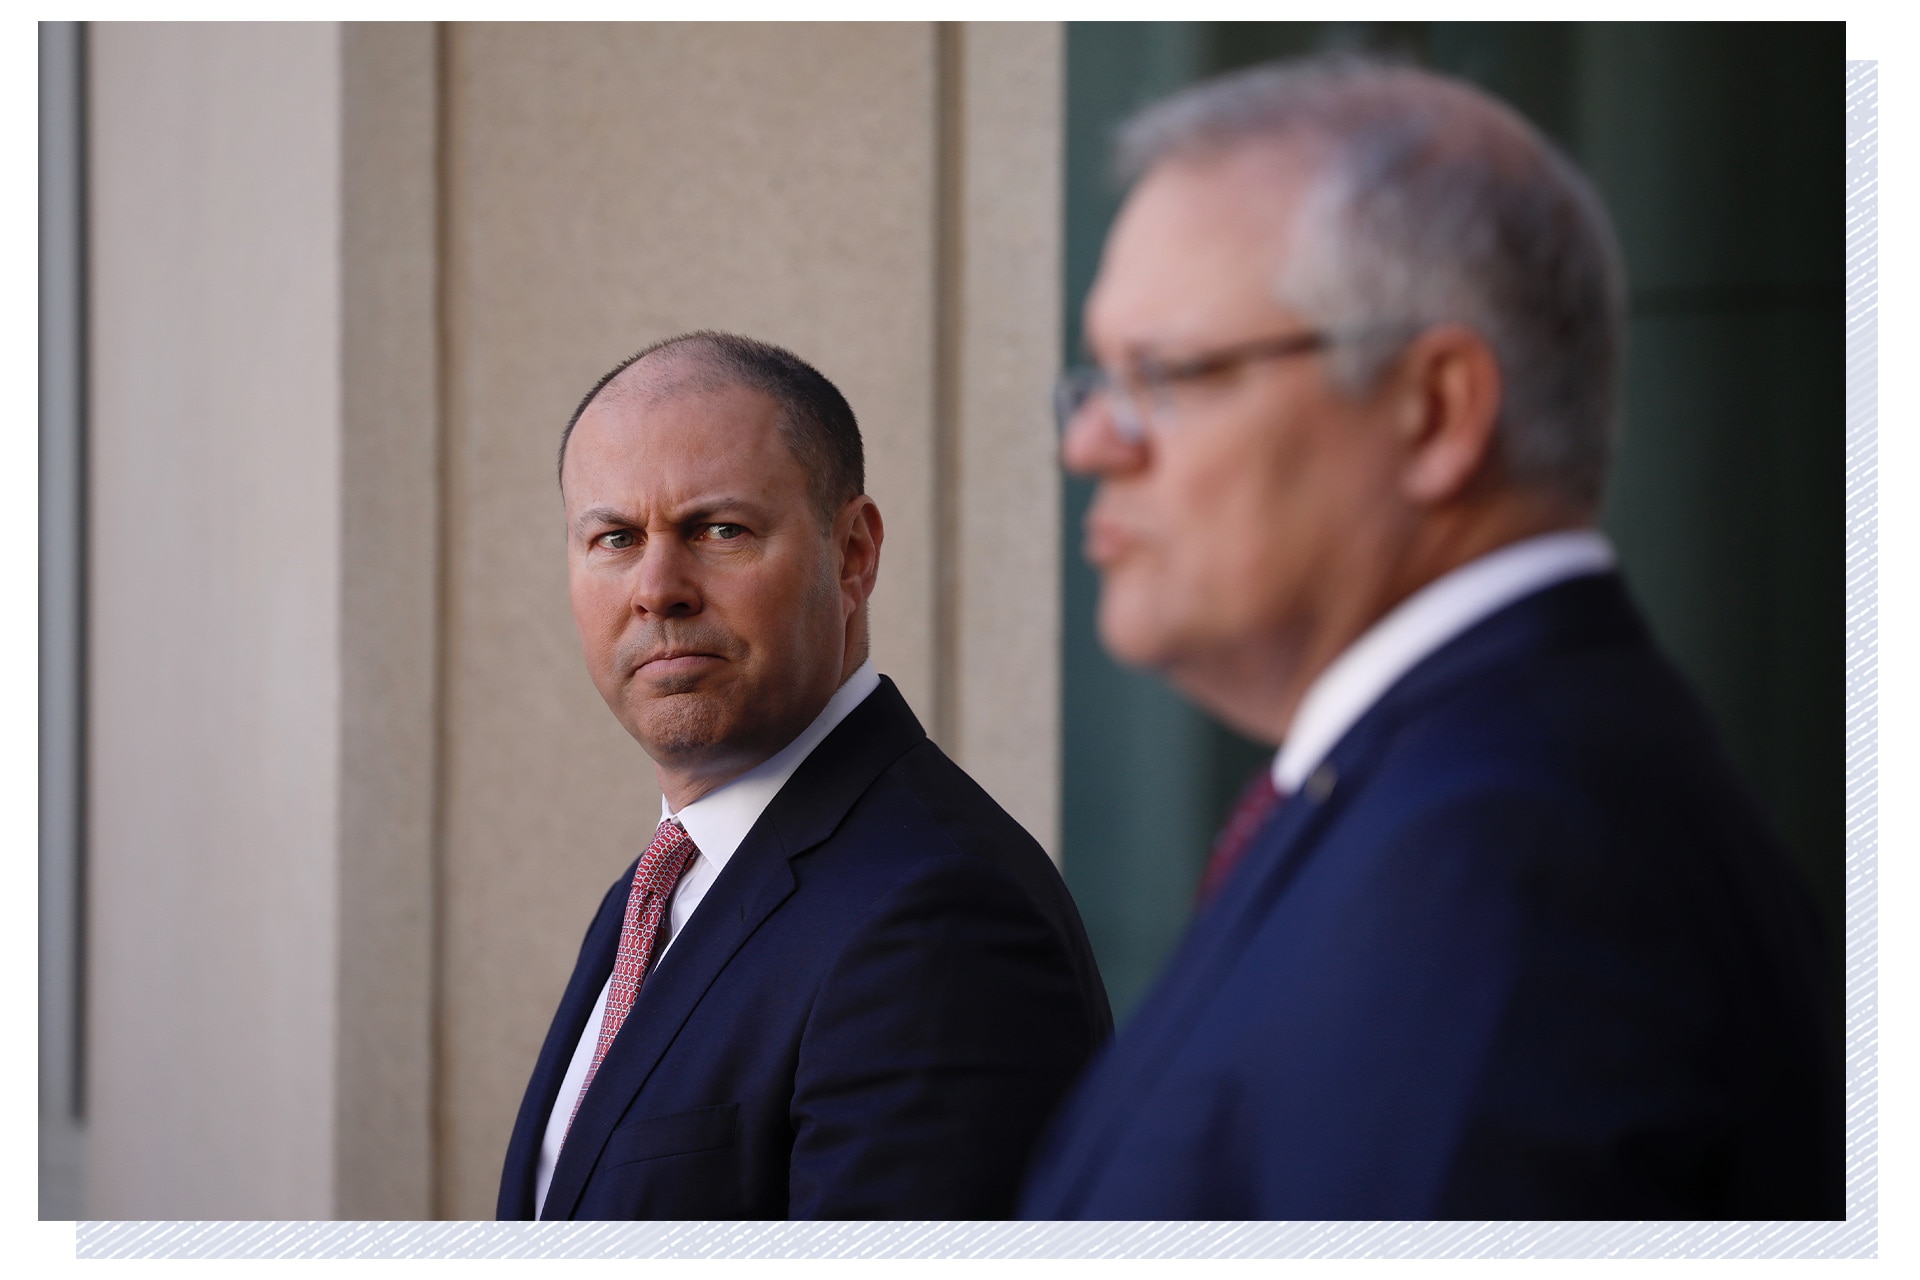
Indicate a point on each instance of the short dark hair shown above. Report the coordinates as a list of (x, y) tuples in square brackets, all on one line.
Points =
[(815, 419)]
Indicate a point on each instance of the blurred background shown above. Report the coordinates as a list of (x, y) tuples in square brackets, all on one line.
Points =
[(327, 799)]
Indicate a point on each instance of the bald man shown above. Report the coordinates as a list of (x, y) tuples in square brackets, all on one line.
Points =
[(840, 982)]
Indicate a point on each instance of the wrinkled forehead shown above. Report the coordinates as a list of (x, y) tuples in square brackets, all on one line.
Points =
[(678, 437)]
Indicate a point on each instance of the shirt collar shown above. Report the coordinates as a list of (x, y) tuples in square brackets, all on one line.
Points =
[(1418, 626), (718, 821)]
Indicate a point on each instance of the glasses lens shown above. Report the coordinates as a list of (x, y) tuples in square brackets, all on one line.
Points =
[(1078, 386)]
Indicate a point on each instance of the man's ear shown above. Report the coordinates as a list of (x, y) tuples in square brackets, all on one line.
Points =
[(858, 533), (1446, 390)]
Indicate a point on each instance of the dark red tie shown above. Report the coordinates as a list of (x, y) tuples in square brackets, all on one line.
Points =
[(659, 869), (1258, 799)]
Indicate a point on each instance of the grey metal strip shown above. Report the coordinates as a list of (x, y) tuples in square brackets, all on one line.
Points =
[(62, 612)]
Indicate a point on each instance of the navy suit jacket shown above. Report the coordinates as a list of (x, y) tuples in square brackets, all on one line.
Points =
[(870, 1015), (1522, 948)]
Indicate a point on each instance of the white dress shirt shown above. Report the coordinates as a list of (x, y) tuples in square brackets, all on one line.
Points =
[(717, 822), (1418, 626)]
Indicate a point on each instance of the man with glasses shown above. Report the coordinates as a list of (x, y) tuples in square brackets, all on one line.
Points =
[(1499, 934)]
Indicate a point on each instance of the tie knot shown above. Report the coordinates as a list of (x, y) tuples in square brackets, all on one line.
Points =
[(666, 859)]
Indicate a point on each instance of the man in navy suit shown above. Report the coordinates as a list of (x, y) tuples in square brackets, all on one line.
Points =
[(841, 981), (1500, 934)]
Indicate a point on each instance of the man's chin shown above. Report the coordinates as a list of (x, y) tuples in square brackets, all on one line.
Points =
[(671, 684), (676, 724), (1133, 637)]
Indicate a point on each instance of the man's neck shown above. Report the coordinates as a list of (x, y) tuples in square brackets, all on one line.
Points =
[(682, 785)]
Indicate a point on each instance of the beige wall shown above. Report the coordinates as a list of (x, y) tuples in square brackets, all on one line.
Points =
[(214, 664), (492, 216), (1002, 659)]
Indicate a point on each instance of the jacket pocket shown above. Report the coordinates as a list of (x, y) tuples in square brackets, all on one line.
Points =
[(651, 1137)]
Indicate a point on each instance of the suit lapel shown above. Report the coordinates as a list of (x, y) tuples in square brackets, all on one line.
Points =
[(756, 880), (576, 1005)]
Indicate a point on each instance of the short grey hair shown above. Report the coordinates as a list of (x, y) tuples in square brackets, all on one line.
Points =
[(1431, 203)]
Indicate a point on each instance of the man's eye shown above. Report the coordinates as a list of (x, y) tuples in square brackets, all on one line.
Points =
[(617, 540), (726, 532)]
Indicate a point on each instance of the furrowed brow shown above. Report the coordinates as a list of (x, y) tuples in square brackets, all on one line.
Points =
[(594, 516), (714, 509)]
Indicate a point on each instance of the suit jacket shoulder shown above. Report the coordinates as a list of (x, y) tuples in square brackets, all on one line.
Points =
[(1529, 951)]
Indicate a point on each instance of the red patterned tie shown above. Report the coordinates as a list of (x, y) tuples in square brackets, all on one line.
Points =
[(659, 869), (1258, 799)]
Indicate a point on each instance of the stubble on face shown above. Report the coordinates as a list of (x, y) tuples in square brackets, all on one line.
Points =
[(691, 718), (672, 713)]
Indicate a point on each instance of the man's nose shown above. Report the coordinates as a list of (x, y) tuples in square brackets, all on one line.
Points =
[(666, 581), (1092, 443)]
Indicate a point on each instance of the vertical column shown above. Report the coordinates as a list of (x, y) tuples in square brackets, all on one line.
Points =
[(389, 614), (214, 666), (1003, 489), (62, 620), (608, 186)]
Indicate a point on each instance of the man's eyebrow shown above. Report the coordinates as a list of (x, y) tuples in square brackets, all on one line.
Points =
[(703, 510), (723, 504), (600, 515)]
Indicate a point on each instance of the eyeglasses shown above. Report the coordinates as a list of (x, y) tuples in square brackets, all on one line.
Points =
[(1151, 380)]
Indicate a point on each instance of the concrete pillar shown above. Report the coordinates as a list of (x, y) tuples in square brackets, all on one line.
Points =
[(214, 620), (1004, 265), (263, 620), (390, 519)]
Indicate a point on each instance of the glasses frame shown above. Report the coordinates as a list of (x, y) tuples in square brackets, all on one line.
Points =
[(1150, 378)]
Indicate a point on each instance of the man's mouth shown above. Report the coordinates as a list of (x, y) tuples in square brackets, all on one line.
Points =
[(676, 663)]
